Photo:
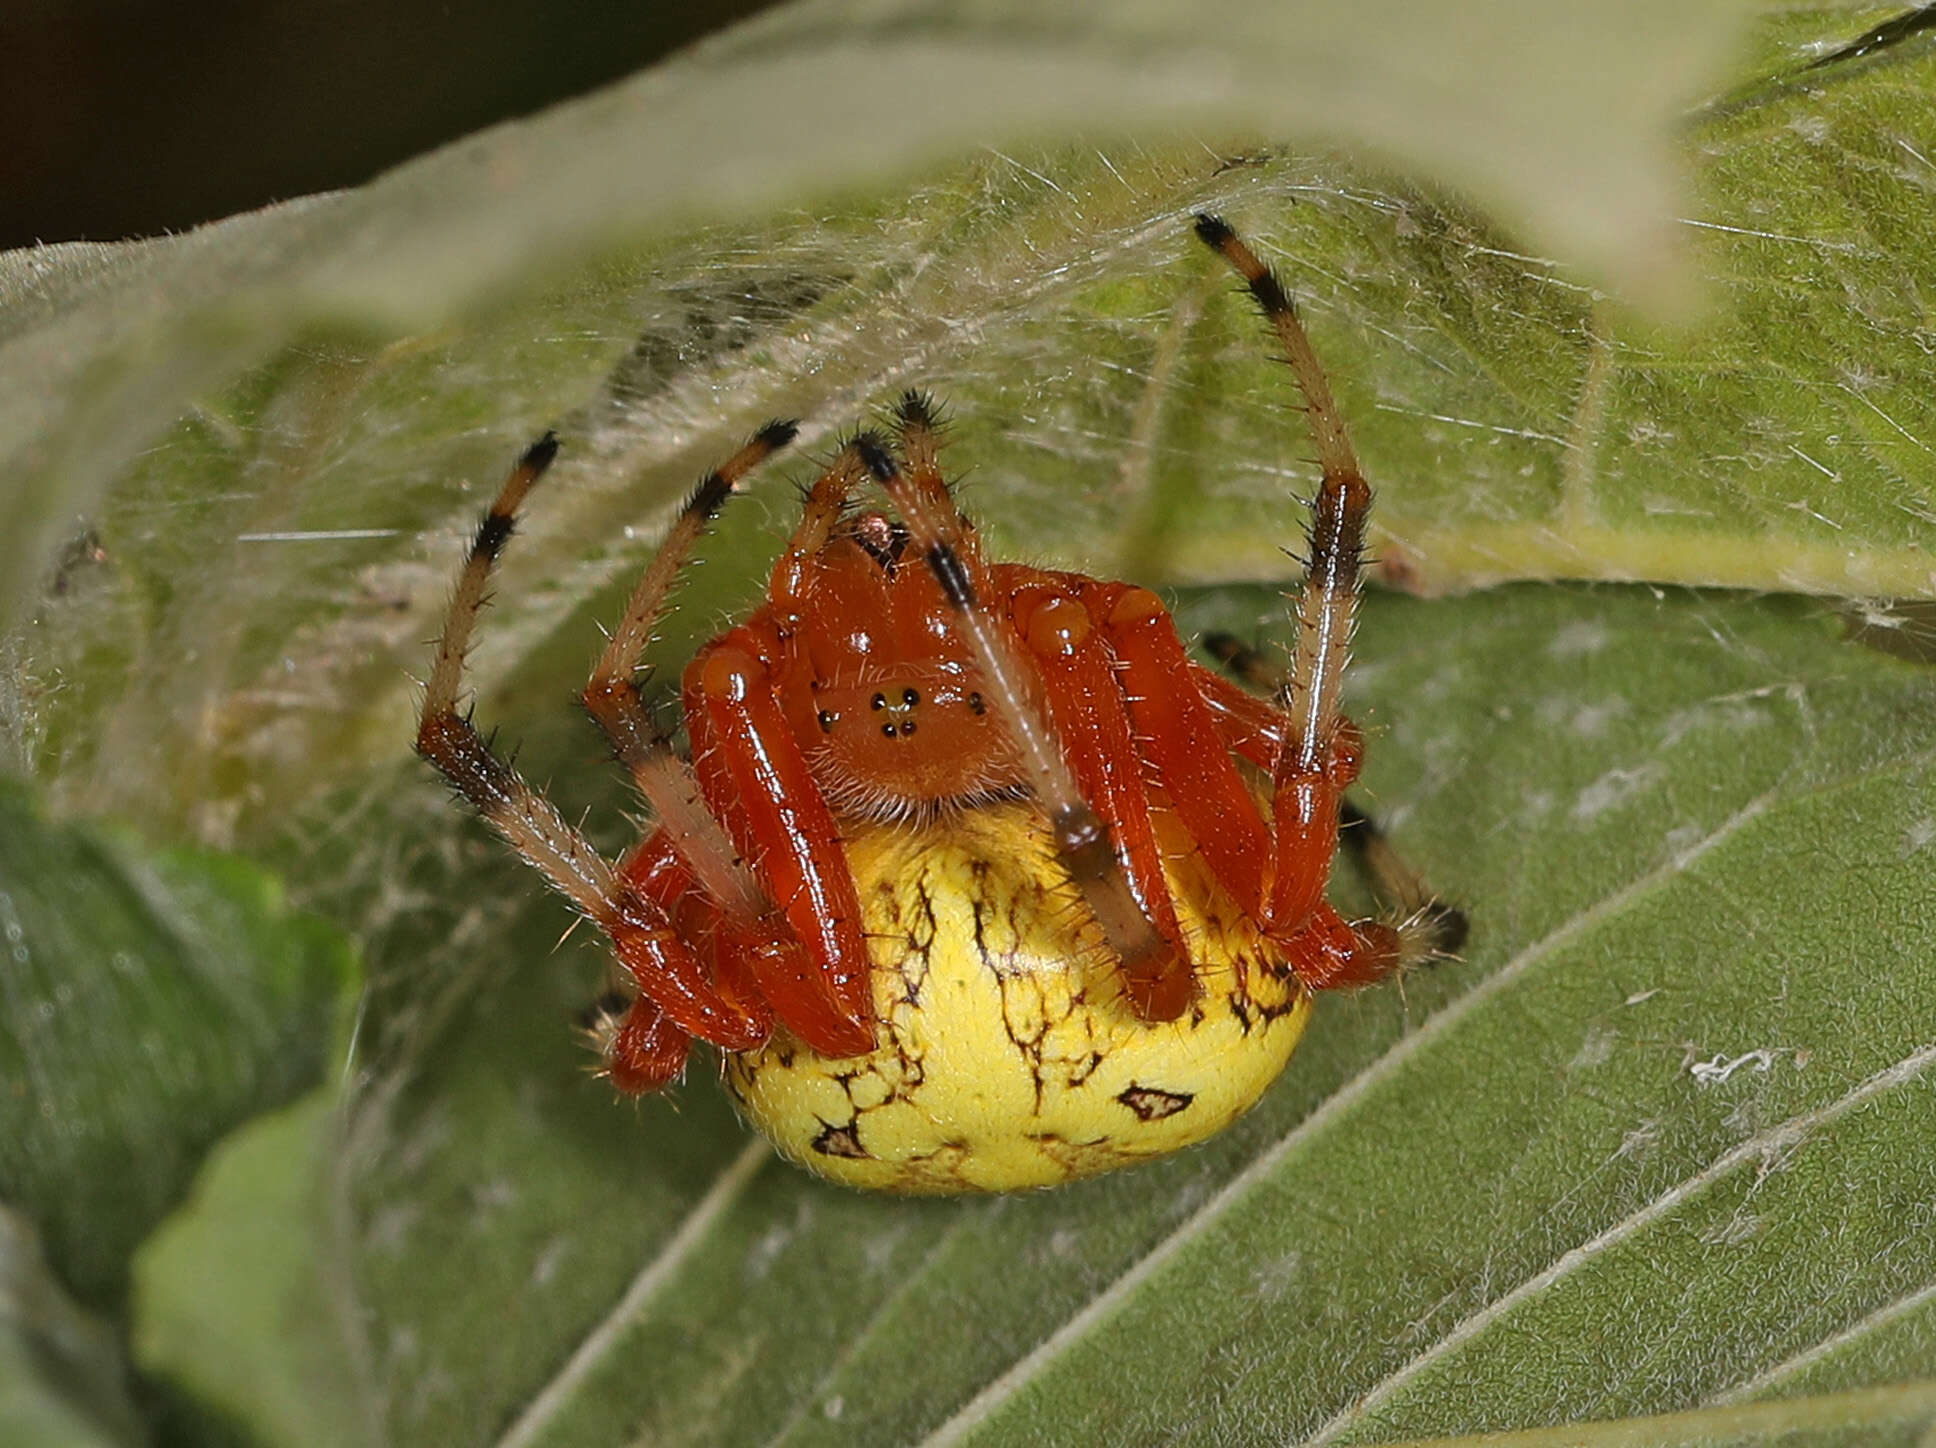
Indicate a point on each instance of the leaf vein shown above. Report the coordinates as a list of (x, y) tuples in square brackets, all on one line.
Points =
[(1759, 1147), (1884, 1316), (556, 1394)]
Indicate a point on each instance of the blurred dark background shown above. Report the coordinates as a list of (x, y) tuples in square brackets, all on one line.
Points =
[(134, 118)]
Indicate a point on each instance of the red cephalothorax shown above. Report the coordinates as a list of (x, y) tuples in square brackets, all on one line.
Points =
[(892, 677)]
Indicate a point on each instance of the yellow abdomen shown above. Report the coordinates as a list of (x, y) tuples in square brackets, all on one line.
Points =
[(1005, 1054)]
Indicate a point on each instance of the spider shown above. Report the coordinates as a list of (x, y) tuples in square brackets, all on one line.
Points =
[(973, 876)]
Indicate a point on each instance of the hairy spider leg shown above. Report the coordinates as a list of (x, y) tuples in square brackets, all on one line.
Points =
[(1086, 641), (1320, 751), (648, 1049), (825, 501), (1156, 972), (1137, 658), (1327, 951), (1309, 775), (1249, 726), (757, 781), (641, 1048), (1171, 725), (697, 876), (1430, 927), (1212, 799), (731, 924), (1092, 722), (451, 742), (612, 694), (663, 966)]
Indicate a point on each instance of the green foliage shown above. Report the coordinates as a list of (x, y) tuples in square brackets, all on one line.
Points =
[(63, 1379), (153, 1000), (1659, 1141), (243, 1301), (1659, 1145)]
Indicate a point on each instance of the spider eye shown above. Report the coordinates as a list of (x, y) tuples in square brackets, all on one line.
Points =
[(880, 701), (975, 704), (910, 698), (827, 721)]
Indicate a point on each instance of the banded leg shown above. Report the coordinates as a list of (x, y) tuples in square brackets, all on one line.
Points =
[(1318, 754), (1216, 807), (612, 695), (1306, 789), (526, 819), (531, 824), (808, 953), (817, 521), (1429, 926), (1156, 975)]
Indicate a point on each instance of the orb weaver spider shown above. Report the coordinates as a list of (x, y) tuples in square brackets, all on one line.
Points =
[(973, 876)]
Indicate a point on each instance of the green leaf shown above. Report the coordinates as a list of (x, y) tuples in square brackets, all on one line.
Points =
[(1674, 1147), (153, 1000), (63, 1381), (237, 1300), (1659, 1142), (1894, 1415)]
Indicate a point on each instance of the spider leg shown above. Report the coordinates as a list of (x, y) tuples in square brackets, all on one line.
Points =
[(1329, 952), (448, 739), (1086, 708), (1156, 973), (756, 780), (1256, 728), (530, 823), (641, 1048), (1250, 728), (1172, 724), (612, 695), (1430, 926), (1319, 752), (758, 959), (1311, 769), (729, 912), (824, 503)]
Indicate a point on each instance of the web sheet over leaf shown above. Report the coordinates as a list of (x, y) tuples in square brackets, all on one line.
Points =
[(256, 589), (99, 347)]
